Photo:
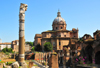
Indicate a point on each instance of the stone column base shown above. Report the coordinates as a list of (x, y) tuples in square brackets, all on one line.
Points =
[(23, 64)]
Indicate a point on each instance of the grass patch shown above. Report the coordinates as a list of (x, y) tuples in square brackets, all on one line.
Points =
[(9, 63), (7, 53), (1, 61), (45, 63), (35, 65)]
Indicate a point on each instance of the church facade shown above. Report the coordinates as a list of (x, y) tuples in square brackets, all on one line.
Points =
[(59, 36)]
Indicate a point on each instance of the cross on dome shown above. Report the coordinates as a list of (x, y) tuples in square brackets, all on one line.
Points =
[(58, 14)]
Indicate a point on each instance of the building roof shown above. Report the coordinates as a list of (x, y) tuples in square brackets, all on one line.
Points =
[(86, 35), (38, 35), (74, 29), (59, 19), (87, 40), (5, 43), (55, 31)]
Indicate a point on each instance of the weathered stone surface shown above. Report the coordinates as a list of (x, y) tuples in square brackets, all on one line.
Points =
[(15, 65), (8, 67), (23, 65), (4, 65), (30, 64), (53, 62), (1, 65)]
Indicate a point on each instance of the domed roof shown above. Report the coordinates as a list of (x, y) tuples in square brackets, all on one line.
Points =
[(59, 19)]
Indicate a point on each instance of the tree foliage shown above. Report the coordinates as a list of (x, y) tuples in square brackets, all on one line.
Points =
[(38, 47), (7, 50), (30, 43), (33, 48), (48, 46)]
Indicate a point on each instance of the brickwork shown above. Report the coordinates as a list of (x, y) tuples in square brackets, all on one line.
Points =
[(53, 62), (39, 56)]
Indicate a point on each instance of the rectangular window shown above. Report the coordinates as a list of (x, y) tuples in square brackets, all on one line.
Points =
[(45, 35)]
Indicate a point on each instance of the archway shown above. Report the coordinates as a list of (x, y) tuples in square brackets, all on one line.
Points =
[(88, 53), (97, 58)]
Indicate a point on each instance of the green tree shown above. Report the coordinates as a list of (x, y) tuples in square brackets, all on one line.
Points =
[(48, 46), (30, 43), (7, 50), (38, 47), (4, 49), (33, 48)]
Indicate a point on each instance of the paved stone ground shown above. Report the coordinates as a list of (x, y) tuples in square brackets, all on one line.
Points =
[(40, 65)]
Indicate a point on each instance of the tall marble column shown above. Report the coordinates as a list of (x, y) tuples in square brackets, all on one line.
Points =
[(23, 8)]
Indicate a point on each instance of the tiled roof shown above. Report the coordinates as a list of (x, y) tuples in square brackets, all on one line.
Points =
[(5, 43)]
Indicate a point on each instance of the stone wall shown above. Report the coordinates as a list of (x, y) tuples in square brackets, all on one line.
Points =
[(40, 56), (53, 62)]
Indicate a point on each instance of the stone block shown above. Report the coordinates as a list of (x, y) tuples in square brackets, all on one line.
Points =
[(1, 65), (30, 64), (53, 62), (15, 65)]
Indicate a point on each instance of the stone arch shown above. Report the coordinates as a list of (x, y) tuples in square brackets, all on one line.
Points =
[(89, 53), (96, 49), (97, 57)]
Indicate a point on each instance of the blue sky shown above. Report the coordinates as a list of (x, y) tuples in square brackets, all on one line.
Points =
[(81, 14)]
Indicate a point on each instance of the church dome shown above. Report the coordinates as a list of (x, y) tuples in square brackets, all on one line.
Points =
[(59, 23), (59, 19)]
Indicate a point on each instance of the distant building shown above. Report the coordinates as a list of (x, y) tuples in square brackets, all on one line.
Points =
[(15, 46), (4, 45), (96, 35), (58, 36), (0, 40), (38, 38), (87, 36)]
